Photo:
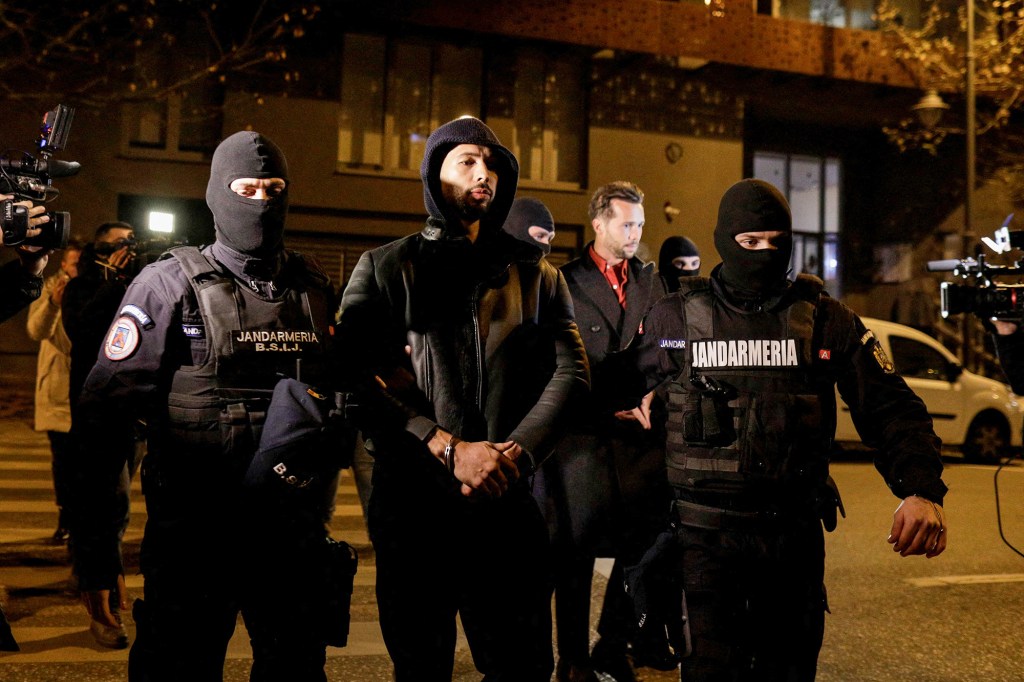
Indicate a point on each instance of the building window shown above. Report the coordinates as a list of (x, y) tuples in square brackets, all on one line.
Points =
[(183, 127), (536, 106), (858, 14), (394, 92), (812, 185)]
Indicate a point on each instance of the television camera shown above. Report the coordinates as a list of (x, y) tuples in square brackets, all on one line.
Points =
[(29, 178), (980, 293)]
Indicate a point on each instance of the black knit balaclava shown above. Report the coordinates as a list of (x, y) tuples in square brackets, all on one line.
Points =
[(673, 248), (467, 130), (753, 206), (526, 213), (250, 226)]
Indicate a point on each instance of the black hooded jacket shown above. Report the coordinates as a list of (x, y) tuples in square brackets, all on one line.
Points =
[(475, 337)]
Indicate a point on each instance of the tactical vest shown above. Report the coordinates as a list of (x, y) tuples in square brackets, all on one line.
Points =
[(217, 406), (746, 412)]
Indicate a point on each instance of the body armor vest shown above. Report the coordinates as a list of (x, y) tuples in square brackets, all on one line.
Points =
[(746, 412), (217, 406)]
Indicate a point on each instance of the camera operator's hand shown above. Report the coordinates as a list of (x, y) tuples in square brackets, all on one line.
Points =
[(1004, 328), (35, 217), (121, 258), (33, 258)]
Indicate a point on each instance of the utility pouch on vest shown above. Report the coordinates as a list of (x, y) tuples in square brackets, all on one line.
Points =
[(241, 425), (707, 417)]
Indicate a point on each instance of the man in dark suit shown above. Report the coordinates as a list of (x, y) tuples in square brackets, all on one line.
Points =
[(605, 491)]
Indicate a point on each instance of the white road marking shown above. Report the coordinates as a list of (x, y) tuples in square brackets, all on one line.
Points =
[(981, 579)]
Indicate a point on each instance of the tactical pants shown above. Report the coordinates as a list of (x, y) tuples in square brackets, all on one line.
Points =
[(756, 603), (487, 561), (198, 579)]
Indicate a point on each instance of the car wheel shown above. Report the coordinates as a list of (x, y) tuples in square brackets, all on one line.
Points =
[(987, 438)]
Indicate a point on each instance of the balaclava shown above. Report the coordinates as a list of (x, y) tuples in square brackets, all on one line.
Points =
[(753, 206), (673, 248), (250, 226), (524, 214), (467, 130)]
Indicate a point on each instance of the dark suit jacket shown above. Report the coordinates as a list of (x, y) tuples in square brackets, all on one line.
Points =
[(605, 485), (604, 326)]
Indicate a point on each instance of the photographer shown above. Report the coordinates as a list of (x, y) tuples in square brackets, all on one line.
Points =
[(21, 281), (90, 304)]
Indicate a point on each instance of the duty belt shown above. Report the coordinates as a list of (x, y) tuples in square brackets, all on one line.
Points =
[(715, 518)]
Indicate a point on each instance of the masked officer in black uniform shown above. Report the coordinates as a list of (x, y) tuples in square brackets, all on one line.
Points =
[(752, 360), (678, 257), (200, 341)]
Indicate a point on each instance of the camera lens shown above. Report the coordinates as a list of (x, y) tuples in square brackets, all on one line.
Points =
[(53, 234)]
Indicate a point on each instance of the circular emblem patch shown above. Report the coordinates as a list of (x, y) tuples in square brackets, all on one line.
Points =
[(122, 339)]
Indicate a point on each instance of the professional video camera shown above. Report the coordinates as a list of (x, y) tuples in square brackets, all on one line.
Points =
[(981, 294), (28, 178), (144, 251)]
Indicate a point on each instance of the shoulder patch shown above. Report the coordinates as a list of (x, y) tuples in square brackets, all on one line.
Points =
[(122, 339), (876, 349), (139, 314)]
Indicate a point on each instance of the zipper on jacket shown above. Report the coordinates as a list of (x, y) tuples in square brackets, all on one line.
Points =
[(479, 349)]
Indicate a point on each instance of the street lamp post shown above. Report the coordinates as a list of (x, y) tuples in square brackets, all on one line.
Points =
[(971, 132)]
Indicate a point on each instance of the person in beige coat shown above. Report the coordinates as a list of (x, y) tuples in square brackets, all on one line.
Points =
[(53, 411)]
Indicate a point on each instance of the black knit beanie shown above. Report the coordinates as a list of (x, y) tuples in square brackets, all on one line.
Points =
[(526, 213), (250, 226), (673, 248), (467, 130), (753, 206)]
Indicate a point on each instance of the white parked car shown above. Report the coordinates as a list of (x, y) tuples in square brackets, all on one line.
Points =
[(979, 415)]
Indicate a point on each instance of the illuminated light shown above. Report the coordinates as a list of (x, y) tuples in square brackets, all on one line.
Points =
[(833, 263), (161, 222)]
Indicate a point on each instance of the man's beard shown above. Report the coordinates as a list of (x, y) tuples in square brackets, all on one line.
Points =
[(466, 208), (622, 252)]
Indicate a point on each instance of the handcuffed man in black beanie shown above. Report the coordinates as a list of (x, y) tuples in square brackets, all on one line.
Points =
[(752, 360), (677, 258), (200, 341), (464, 351)]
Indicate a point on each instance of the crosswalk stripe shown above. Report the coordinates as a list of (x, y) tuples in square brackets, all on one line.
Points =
[(38, 644), (41, 484), (25, 466), (137, 507)]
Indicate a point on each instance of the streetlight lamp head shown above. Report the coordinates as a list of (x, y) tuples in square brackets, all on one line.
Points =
[(930, 108)]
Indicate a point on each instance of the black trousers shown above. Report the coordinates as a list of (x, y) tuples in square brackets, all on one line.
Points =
[(200, 573), (756, 603), (61, 450), (487, 561)]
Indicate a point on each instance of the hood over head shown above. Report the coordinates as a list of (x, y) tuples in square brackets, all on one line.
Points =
[(673, 248), (467, 130), (524, 214), (753, 206), (253, 227)]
